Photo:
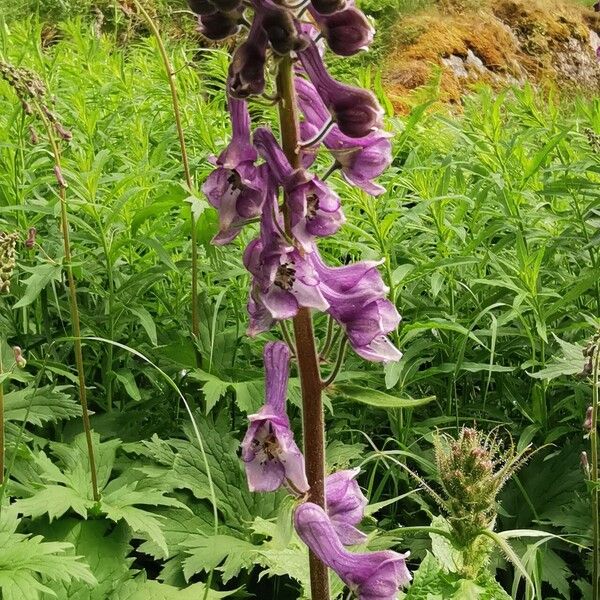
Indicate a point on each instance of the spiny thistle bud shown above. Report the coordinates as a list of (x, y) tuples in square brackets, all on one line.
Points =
[(19, 358), (8, 244), (472, 470)]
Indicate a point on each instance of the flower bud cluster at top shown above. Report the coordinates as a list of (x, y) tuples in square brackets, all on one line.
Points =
[(255, 180)]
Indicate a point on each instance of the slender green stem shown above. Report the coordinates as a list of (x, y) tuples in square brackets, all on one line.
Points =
[(306, 351), (594, 478), (328, 338), (339, 363), (73, 306), (171, 75)]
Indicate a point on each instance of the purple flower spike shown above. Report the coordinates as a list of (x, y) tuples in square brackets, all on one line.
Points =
[(356, 295), (347, 31), (346, 506), (271, 455), (371, 576), (315, 210), (356, 111), (247, 69), (236, 187), (327, 7), (361, 159)]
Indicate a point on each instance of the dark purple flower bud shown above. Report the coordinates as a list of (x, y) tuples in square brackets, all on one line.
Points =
[(327, 7), (357, 297), (584, 463), (356, 111), (219, 25), (346, 506), (247, 69), (236, 188), (271, 455), (63, 132), (31, 235), (361, 159), (315, 209), (280, 27), (370, 576), (347, 31), (202, 7)]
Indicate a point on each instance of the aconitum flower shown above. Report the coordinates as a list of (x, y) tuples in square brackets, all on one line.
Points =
[(371, 576), (284, 280), (314, 208), (247, 69), (347, 31), (355, 110), (269, 451), (356, 295), (346, 506), (361, 159), (236, 187)]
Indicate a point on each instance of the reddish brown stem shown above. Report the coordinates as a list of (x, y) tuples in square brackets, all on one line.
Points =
[(308, 361)]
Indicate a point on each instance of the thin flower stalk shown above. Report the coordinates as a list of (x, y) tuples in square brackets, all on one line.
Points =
[(594, 477), (171, 76), (1, 421)]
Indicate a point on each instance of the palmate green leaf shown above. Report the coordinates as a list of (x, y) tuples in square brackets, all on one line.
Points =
[(378, 399), (123, 501), (140, 589), (26, 561), (41, 276), (45, 405), (104, 547)]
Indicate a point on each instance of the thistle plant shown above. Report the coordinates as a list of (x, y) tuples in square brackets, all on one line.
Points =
[(32, 93), (472, 469), (265, 175)]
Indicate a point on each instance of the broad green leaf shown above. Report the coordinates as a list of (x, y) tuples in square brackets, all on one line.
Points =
[(40, 277), (40, 406), (378, 399)]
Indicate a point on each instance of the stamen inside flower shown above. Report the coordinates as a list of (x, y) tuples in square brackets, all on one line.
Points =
[(285, 277), (312, 206)]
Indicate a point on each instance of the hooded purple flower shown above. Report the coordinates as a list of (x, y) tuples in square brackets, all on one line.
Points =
[(361, 159), (371, 576), (355, 110), (314, 208), (247, 69), (345, 506), (271, 455), (284, 280), (347, 31), (357, 297), (236, 187)]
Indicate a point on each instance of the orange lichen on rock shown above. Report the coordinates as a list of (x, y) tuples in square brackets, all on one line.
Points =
[(500, 42)]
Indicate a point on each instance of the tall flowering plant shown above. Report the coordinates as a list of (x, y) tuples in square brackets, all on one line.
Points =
[(266, 176)]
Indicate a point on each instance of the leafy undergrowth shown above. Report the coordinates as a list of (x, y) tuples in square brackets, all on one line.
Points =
[(490, 232)]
